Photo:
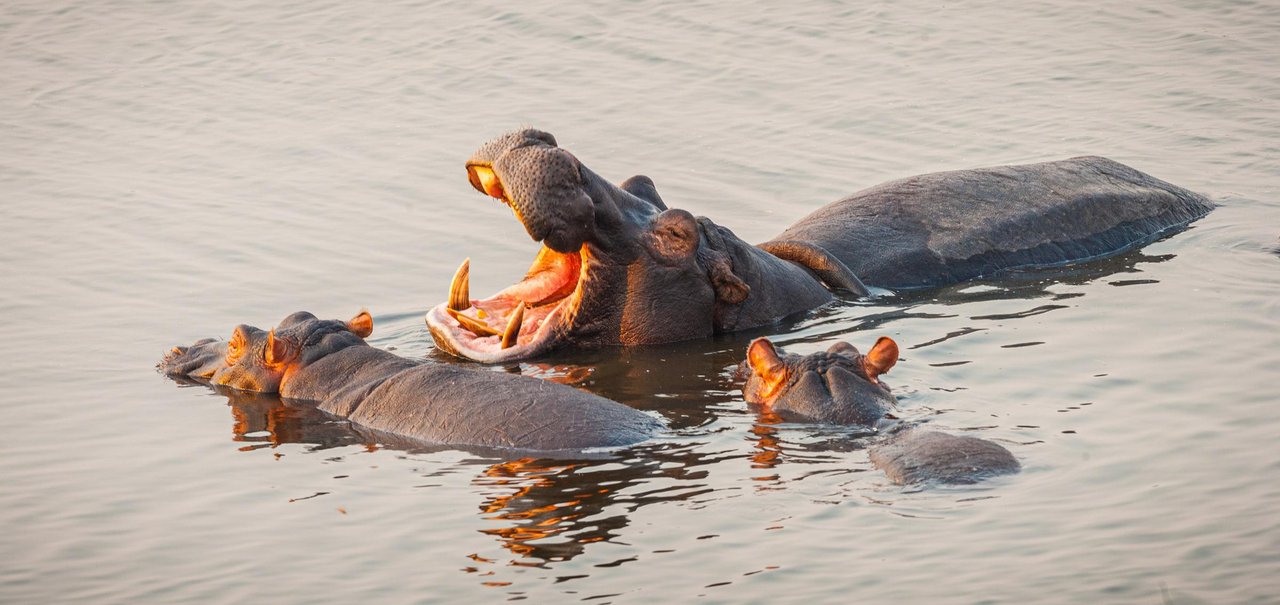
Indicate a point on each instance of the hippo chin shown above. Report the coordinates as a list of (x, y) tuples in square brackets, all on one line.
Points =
[(842, 386), (617, 267), (327, 362)]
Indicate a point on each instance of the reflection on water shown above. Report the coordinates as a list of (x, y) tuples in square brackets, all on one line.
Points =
[(543, 510), (265, 421), (172, 169), (552, 510)]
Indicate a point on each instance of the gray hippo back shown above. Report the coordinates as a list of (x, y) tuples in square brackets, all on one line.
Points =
[(945, 227), (327, 362), (918, 456), (842, 386)]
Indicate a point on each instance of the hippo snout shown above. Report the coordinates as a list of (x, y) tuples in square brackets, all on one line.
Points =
[(200, 360)]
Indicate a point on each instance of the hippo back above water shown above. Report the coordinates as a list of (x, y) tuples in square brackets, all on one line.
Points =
[(328, 363), (842, 386), (945, 227)]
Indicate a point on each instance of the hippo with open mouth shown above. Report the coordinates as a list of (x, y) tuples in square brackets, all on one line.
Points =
[(618, 267), (842, 386), (327, 362)]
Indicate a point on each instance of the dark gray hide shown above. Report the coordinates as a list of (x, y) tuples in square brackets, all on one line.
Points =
[(439, 404), (936, 229), (919, 456), (449, 404), (468, 406), (826, 386)]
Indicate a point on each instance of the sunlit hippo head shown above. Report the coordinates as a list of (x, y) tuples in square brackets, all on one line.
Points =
[(616, 267), (258, 360), (839, 385)]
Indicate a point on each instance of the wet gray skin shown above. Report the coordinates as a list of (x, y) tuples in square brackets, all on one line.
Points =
[(617, 267), (839, 385), (842, 386), (328, 362)]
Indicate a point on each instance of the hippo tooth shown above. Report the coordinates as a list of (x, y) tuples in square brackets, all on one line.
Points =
[(475, 326), (512, 333), (460, 288)]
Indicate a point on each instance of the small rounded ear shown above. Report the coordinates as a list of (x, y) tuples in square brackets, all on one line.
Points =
[(843, 348), (362, 324), (280, 350), (881, 357), (729, 288), (766, 364)]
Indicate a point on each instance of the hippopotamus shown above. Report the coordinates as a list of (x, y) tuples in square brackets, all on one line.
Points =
[(843, 386), (328, 362), (616, 266)]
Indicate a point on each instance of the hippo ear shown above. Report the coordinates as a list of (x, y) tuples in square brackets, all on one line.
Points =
[(766, 364), (362, 324), (881, 357), (280, 350), (730, 288)]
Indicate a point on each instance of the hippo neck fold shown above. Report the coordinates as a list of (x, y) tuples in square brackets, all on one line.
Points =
[(771, 287), (351, 367)]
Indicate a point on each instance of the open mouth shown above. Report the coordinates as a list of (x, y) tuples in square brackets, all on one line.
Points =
[(522, 320)]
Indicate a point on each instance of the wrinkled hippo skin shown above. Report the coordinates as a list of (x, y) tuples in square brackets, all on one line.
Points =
[(618, 267), (918, 456), (842, 386), (839, 385), (946, 227), (328, 362)]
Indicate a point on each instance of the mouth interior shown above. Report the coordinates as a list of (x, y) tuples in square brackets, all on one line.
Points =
[(546, 294)]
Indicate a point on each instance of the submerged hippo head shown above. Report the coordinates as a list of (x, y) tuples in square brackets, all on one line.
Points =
[(839, 385), (616, 266), (259, 360)]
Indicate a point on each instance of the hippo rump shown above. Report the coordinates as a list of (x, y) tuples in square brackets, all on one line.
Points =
[(842, 386), (618, 267), (327, 362)]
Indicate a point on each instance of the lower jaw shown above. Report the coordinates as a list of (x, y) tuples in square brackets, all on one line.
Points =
[(554, 280), (453, 340)]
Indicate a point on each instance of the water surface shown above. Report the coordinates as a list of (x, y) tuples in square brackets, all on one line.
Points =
[(169, 170)]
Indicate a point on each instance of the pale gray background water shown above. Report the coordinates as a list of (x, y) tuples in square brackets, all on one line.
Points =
[(168, 170)]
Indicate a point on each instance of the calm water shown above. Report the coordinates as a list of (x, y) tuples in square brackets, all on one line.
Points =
[(168, 170)]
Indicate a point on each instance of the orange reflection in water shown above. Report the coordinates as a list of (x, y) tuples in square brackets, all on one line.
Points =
[(768, 447), (265, 421), (546, 502)]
